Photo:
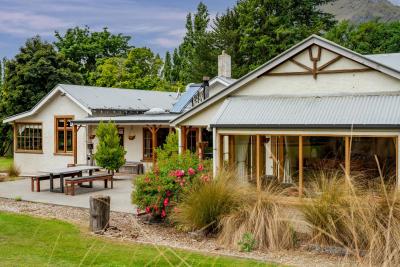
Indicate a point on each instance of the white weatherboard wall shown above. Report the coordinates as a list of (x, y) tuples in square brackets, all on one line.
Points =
[(32, 163)]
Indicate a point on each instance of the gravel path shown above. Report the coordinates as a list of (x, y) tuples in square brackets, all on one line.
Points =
[(126, 227)]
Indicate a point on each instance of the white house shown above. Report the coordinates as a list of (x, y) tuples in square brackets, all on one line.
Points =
[(61, 129), (46, 138), (316, 106)]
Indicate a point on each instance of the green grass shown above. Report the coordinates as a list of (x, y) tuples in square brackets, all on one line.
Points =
[(30, 241), (5, 163)]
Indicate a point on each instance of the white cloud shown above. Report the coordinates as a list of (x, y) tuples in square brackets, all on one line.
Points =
[(26, 23), (166, 42)]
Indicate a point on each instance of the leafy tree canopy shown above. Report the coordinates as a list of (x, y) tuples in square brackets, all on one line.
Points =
[(85, 47), (371, 37), (141, 69), (34, 72)]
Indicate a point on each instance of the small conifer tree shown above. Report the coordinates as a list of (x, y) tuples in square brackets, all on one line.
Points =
[(109, 154)]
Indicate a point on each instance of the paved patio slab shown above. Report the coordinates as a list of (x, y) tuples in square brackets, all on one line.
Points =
[(120, 194)]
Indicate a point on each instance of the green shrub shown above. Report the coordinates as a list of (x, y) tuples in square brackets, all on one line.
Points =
[(18, 198), (247, 243), (205, 203), (159, 190), (109, 153)]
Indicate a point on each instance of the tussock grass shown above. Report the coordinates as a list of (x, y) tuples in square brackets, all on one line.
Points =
[(260, 215), (205, 203), (364, 222)]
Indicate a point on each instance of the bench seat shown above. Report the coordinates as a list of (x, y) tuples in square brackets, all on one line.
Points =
[(71, 182), (42, 177)]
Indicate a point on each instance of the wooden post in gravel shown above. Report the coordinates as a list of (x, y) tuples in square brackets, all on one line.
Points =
[(99, 213)]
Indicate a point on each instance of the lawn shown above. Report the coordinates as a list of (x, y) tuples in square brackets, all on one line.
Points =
[(30, 241), (5, 163)]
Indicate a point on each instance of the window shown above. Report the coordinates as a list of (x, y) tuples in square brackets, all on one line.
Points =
[(162, 134), (121, 136), (147, 144), (28, 137), (64, 135), (191, 140)]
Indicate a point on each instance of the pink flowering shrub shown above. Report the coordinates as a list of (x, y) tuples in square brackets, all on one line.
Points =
[(158, 191)]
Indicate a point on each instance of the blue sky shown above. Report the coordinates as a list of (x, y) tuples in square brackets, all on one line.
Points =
[(158, 24)]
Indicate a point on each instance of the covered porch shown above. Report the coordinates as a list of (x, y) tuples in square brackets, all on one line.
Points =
[(139, 134), (289, 139), (295, 158)]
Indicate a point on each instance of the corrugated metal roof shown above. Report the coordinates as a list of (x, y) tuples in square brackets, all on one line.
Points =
[(391, 60), (131, 119), (120, 99), (359, 111), (185, 98)]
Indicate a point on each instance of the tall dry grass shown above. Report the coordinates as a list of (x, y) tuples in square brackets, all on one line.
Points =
[(261, 215), (364, 222), (206, 202)]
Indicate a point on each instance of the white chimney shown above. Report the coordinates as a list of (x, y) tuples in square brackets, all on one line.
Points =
[(224, 65)]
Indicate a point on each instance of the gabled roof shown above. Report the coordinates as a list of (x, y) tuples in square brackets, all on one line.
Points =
[(91, 98), (291, 112), (294, 50), (222, 80)]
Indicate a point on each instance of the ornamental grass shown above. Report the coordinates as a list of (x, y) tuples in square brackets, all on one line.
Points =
[(261, 215), (206, 203)]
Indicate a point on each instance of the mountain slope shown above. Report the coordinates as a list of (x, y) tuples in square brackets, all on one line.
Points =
[(363, 10)]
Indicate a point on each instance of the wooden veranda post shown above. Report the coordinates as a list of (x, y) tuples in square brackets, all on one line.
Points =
[(154, 131), (220, 152), (258, 161), (75, 143), (281, 169), (198, 142), (232, 151), (301, 166), (347, 151), (183, 139)]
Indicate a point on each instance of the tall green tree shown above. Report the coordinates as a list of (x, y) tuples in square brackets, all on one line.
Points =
[(86, 47), (371, 37), (141, 69), (197, 56), (255, 31), (34, 71), (167, 75)]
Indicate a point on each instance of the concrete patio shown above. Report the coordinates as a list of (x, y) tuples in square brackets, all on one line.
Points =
[(120, 194)]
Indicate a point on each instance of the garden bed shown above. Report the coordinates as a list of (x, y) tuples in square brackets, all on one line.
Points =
[(127, 227)]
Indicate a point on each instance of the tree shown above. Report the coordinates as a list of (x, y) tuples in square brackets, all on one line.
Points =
[(371, 37), (140, 70), (196, 56), (109, 153), (167, 75), (86, 47), (255, 31), (34, 72)]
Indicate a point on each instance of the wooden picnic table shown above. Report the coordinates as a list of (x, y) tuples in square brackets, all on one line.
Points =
[(62, 172)]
